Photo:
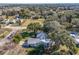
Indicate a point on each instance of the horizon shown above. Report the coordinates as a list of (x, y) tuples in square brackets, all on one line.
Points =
[(39, 1)]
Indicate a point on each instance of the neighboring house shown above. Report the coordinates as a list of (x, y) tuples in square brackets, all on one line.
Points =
[(75, 37), (17, 17), (8, 21), (14, 21), (73, 34), (41, 38)]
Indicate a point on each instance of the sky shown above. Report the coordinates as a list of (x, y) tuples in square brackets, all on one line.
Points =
[(39, 1)]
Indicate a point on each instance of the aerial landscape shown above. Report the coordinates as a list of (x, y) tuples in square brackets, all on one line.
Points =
[(39, 29)]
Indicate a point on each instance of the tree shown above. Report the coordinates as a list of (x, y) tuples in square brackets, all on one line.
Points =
[(63, 39), (7, 17), (24, 13), (75, 21), (50, 26), (17, 38), (39, 50), (69, 17), (0, 26), (18, 22), (34, 27)]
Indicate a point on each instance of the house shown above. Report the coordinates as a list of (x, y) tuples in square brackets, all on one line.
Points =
[(75, 37), (73, 34), (41, 35), (41, 38), (34, 42), (17, 17), (9, 21)]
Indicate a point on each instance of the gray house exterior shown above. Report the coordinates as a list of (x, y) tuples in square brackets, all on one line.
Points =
[(41, 38)]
